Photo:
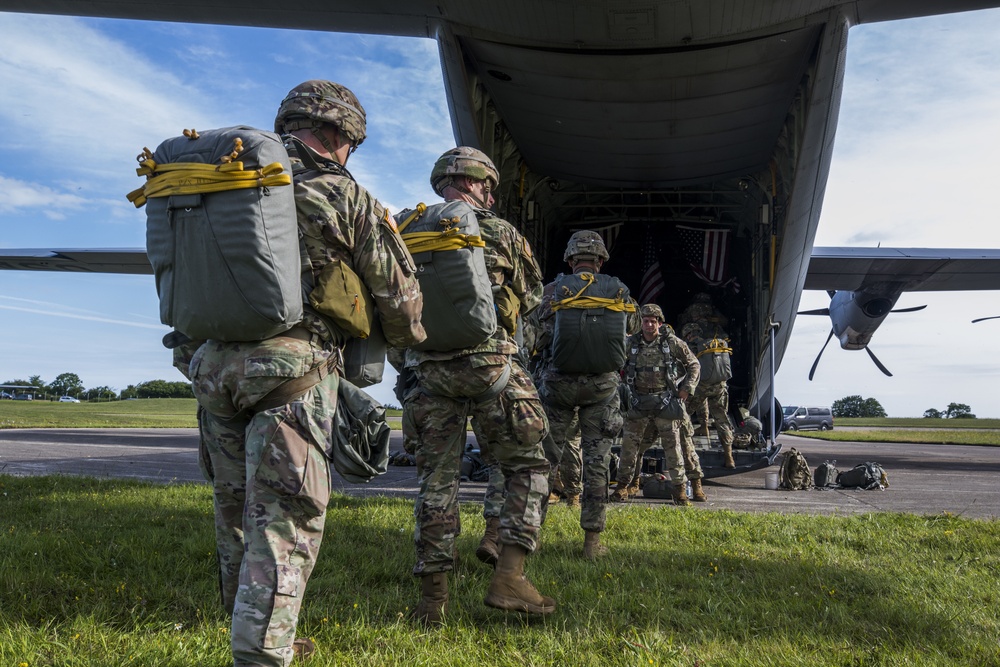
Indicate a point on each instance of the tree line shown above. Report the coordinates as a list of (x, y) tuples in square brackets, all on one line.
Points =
[(70, 384), (857, 406)]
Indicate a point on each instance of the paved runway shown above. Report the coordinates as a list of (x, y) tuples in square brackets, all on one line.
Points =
[(924, 479)]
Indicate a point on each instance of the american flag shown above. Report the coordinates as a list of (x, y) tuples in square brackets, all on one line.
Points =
[(707, 251), (652, 279)]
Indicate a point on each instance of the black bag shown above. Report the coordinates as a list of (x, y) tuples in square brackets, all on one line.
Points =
[(825, 475), (868, 475)]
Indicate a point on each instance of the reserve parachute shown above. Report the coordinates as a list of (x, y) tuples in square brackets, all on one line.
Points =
[(447, 248), (591, 311), (221, 233)]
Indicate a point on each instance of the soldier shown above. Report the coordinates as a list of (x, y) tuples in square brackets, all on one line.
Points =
[(451, 385), (659, 366), (581, 372), (713, 388), (268, 467)]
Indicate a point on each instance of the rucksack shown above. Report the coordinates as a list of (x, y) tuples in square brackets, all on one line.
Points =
[(221, 233), (714, 359), (590, 320), (447, 248), (794, 473), (868, 475), (825, 475)]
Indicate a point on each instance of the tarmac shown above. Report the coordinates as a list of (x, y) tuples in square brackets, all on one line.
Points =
[(923, 478)]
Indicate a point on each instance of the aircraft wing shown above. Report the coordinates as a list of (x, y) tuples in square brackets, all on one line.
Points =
[(96, 260), (907, 269)]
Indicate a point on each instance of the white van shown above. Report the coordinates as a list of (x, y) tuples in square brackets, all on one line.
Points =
[(796, 418)]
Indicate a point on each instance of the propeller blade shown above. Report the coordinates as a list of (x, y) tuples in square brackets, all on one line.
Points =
[(812, 371), (983, 319), (907, 310), (877, 362), (819, 311)]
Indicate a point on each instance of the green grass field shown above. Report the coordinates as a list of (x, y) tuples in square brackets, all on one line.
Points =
[(98, 572)]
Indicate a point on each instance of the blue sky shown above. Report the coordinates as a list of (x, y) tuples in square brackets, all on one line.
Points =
[(914, 165)]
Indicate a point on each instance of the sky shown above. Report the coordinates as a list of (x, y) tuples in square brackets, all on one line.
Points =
[(914, 166)]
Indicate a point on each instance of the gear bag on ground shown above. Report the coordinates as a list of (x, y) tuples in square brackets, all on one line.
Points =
[(447, 248), (221, 233), (794, 472), (591, 311)]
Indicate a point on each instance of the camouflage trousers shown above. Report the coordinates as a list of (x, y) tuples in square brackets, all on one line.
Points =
[(593, 399), (692, 464), (640, 434), (271, 484), (716, 397), (514, 423), (567, 477)]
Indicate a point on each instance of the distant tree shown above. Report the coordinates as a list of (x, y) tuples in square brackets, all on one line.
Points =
[(857, 406), (102, 393), (931, 413), (959, 411), (66, 384), (161, 389), (36, 381)]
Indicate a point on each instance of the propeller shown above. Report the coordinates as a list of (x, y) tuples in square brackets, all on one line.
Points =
[(982, 319), (812, 370), (907, 310), (877, 362)]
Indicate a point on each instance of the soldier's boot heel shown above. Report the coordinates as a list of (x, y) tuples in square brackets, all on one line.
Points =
[(488, 550), (679, 494), (697, 492), (573, 500), (510, 589), (433, 599), (592, 547), (727, 452)]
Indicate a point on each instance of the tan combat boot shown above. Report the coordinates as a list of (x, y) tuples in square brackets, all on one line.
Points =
[(633, 489), (727, 451), (303, 648), (573, 500), (697, 493), (679, 493), (511, 590), (592, 547), (488, 550), (433, 599), (554, 498), (620, 494)]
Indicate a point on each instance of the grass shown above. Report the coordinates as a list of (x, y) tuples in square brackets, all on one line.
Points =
[(106, 572), (924, 431), (141, 413)]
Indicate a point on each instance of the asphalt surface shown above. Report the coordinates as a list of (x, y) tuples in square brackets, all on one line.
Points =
[(923, 479)]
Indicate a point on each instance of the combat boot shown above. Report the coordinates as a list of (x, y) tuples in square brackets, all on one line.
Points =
[(511, 590), (573, 500), (697, 493), (620, 494), (433, 599), (592, 547), (633, 489), (303, 648), (679, 493), (727, 452), (554, 498), (488, 550)]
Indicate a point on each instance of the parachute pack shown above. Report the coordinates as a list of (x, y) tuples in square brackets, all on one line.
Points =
[(825, 475), (221, 233), (714, 359), (868, 475), (794, 473), (590, 321), (447, 248)]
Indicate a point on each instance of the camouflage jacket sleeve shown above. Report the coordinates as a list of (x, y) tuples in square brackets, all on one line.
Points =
[(633, 323), (340, 220), (683, 354), (510, 262)]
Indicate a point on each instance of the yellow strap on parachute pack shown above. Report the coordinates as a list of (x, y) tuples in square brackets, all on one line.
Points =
[(449, 239), (186, 178), (717, 345), (580, 301)]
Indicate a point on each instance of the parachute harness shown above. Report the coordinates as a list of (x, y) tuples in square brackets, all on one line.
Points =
[(185, 178), (617, 304)]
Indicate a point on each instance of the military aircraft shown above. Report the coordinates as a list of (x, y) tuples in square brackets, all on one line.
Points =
[(694, 135)]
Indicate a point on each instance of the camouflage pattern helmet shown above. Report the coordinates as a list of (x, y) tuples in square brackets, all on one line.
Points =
[(586, 243), (463, 161), (689, 329), (317, 101), (702, 297), (651, 310)]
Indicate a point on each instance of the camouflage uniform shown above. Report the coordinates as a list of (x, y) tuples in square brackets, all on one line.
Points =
[(702, 312), (434, 417), (269, 470), (567, 477), (714, 396), (652, 372)]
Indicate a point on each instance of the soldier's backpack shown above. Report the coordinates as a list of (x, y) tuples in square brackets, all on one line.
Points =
[(447, 248), (714, 359), (825, 475), (590, 321), (868, 475), (221, 233), (794, 473)]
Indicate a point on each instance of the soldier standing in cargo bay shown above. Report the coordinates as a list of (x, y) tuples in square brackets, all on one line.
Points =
[(268, 467), (479, 379)]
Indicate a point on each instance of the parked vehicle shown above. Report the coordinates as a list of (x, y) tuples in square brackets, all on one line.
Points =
[(24, 397), (796, 418), (5, 395), (68, 399)]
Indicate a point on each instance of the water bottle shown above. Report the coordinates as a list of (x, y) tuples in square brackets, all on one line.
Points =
[(689, 489)]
